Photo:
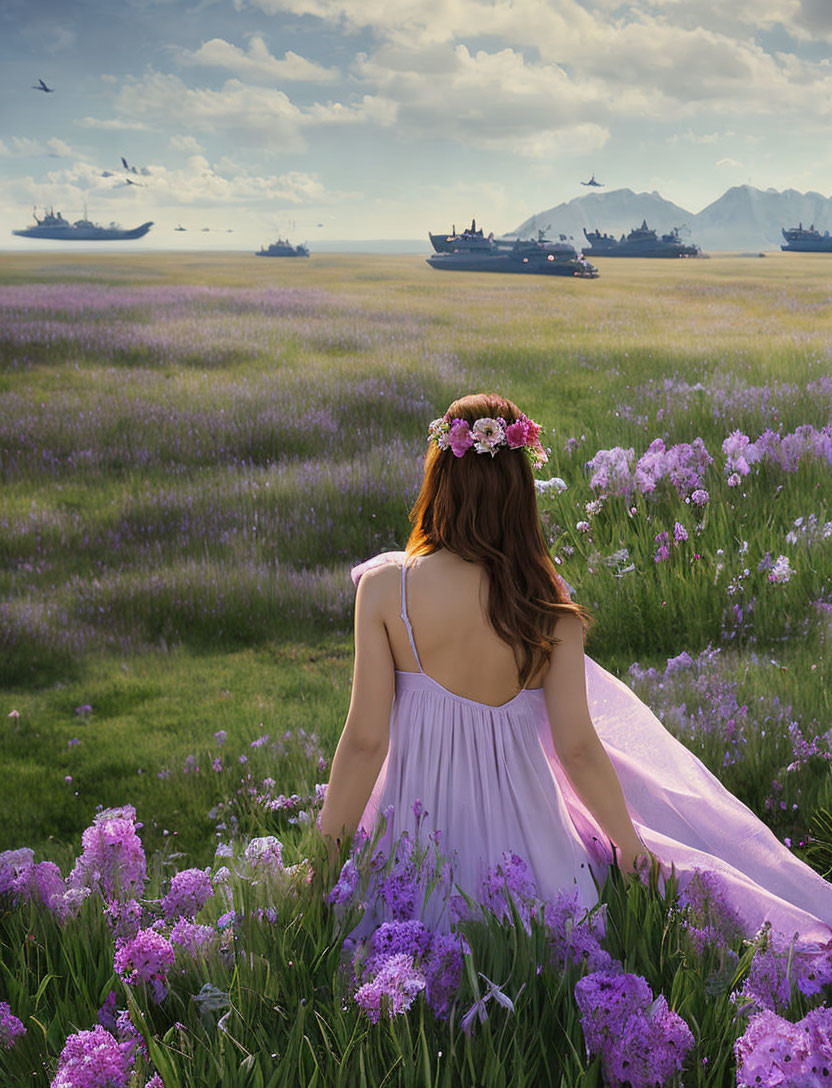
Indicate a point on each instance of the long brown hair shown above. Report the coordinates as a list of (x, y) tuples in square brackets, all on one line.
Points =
[(484, 509)]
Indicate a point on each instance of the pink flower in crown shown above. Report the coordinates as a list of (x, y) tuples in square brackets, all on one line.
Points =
[(517, 433), (488, 434), (460, 438)]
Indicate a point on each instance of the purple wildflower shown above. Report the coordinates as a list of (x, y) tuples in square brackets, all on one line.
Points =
[(124, 919), (347, 885), (265, 854), (641, 1041), (220, 736), (190, 890), (94, 1059), (194, 938), (155, 1082), (575, 934), (611, 471), (774, 1051), (680, 533), (112, 859), (699, 497), (392, 990), (10, 1027), (146, 959), (510, 882), (107, 1012)]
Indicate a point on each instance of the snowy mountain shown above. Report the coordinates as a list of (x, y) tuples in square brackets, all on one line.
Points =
[(742, 218), (749, 218), (615, 212)]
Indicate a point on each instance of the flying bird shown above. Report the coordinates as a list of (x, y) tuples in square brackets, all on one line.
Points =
[(41, 86), (593, 183)]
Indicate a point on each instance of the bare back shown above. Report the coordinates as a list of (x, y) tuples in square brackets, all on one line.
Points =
[(447, 601)]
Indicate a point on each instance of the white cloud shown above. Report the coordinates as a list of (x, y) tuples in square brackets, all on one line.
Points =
[(189, 144), (258, 62), (728, 162), (24, 147), (59, 148), (648, 58), (199, 183), (263, 116), (115, 123)]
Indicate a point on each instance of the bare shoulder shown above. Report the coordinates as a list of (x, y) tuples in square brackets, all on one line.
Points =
[(380, 586)]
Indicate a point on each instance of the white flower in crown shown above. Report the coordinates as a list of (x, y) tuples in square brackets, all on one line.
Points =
[(488, 435), (438, 432)]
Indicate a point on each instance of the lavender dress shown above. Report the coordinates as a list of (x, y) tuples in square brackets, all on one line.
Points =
[(489, 779)]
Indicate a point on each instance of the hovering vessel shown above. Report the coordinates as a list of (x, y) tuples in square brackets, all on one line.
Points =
[(56, 228), (800, 240), (41, 86), (593, 184), (446, 243), (180, 227), (641, 242), (471, 251), (282, 248)]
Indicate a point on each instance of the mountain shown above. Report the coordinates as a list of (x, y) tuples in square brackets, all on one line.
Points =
[(615, 212), (742, 218), (749, 218)]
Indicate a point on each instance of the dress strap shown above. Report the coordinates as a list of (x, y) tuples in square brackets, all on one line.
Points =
[(406, 618)]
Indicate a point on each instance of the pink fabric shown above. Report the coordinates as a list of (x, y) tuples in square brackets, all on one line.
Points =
[(490, 780)]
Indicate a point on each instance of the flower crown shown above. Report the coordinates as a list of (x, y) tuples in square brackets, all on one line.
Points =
[(488, 435)]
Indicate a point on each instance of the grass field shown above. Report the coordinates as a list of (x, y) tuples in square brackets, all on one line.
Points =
[(195, 449)]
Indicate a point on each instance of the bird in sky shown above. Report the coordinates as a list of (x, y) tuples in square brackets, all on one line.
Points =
[(593, 183), (41, 86)]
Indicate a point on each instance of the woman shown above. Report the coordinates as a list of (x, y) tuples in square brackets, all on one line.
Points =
[(473, 696)]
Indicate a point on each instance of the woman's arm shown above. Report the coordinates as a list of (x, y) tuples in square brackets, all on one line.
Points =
[(578, 747), (365, 737)]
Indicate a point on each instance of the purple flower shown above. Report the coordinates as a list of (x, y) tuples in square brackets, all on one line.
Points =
[(575, 933), (460, 437), (220, 736), (190, 890), (392, 990), (734, 480), (699, 497), (155, 1082), (680, 533), (194, 938), (146, 959), (641, 1041), (611, 471), (774, 1051), (265, 854), (510, 883), (477, 1010), (84, 710), (345, 889), (107, 1012), (124, 919), (10, 1027), (94, 1059), (662, 553), (781, 570), (112, 860)]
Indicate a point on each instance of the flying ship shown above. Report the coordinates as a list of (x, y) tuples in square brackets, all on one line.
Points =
[(593, 183), (41, 86)]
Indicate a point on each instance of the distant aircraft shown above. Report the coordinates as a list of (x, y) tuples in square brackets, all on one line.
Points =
[(204, 229), (593, 183), (180, 227), (41, 86)]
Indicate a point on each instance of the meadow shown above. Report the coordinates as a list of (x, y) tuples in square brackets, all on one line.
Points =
[(193, 452)]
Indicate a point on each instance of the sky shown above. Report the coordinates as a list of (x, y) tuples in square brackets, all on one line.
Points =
[(368, 119)]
